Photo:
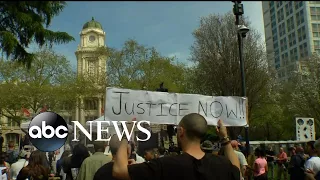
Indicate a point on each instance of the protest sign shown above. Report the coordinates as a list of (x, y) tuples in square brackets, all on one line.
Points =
[(169, 108)]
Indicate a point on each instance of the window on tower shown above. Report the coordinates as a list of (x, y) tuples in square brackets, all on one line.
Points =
[(316, 29), (12, 123), (300, 17), (316, 44), (91, 104), (66, 106), (315, 13), (91, 68), (303, 49)]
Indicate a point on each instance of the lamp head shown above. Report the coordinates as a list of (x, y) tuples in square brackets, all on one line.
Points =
[(243, 30)]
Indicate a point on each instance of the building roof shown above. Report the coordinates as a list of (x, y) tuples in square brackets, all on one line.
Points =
[(92, 24)]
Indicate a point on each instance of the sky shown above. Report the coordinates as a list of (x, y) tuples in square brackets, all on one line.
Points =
[(167, 26)]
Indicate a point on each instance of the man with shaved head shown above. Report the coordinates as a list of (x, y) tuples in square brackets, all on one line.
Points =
[(193, 164), (105, 172), (281, 160)]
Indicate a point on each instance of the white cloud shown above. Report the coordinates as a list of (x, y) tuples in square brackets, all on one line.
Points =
[(176, 55)]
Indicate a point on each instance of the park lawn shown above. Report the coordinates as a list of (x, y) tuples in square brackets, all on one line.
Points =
[(275, 174)]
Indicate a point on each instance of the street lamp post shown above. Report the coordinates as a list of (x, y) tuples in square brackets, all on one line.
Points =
[(242, 30), (163, 89)]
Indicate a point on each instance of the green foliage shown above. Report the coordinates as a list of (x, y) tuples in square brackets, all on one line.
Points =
[(25, 22), (269, 120), (302, 93), (217, 70), (46, 83), (307, 89), (138, 67), (211, 134)]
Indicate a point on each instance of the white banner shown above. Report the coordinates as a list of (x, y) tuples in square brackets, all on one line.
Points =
[(305, 129), (169, 108)]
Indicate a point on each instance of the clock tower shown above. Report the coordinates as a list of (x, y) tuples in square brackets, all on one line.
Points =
[(93, 63), (89, 61)]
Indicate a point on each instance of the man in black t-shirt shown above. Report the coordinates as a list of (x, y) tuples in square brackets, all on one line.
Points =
[(270, 159), (193, 164)]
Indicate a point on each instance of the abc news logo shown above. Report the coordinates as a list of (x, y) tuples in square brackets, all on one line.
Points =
[(48, 131), (44, 129)]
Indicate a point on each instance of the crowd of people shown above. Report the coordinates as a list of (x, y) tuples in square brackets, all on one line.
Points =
[(23, 164), (193, 159), (299, 163)]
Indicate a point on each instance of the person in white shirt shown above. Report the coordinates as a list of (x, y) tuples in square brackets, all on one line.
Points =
[(139, 159), (241, 157), (21, 163), (312, 165)]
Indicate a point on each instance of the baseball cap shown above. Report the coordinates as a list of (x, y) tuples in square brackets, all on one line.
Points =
[(234, 143), (207, 145), (317, 144), (23, 153)]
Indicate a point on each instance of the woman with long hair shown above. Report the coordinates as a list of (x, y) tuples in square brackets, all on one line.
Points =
[(72, 164), (260, 165), (37, 168)]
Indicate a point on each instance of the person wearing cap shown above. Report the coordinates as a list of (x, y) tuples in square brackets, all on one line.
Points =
[(21, 163), (207, 146), (242, 159)]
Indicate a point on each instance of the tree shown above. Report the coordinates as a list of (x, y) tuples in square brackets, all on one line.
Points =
[(25, 22), (217, 71), (138, 67), (305, 96), (269, 120), (46, 85)]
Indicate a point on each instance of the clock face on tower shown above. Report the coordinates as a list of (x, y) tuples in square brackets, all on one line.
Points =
[(92, 38)]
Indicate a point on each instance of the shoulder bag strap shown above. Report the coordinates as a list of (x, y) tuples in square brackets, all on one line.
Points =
[(24, 164)]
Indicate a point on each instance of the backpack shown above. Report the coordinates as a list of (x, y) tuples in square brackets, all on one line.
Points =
[(11, 158), (298, 165)]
